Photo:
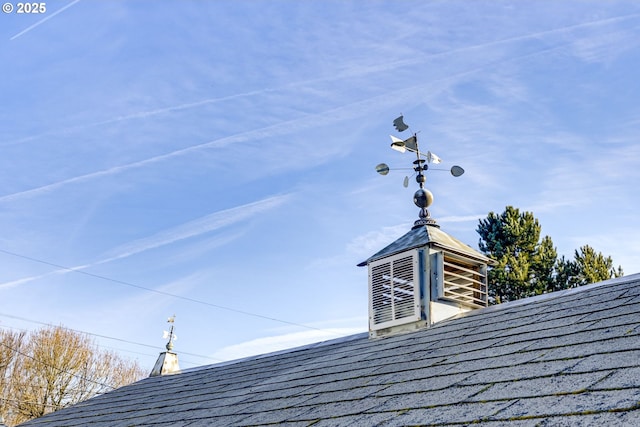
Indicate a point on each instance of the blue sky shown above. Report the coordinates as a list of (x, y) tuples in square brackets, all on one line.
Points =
[(215, 159)]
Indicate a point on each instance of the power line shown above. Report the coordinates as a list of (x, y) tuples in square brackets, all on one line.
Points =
[(29, 402), (184, 298), (82, 378), (123, 350), (24, 319)]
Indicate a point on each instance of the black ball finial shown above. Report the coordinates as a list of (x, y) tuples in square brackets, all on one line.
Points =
[(423, 198)]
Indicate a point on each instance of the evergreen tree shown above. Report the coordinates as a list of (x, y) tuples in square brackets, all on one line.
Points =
[(588, 266), (523, 262), (543, 264), (526, 266), (566, 275)]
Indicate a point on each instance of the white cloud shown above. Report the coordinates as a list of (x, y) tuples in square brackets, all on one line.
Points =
[(466, 218), (281, 342), (371, 242)]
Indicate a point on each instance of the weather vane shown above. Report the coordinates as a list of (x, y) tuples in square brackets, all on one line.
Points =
[(423, 197), (169, 334)]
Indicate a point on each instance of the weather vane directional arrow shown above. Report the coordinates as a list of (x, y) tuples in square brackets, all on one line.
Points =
[(423, 197), (169, 334)]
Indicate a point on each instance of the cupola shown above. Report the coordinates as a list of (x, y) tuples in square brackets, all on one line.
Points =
[(426, 275)]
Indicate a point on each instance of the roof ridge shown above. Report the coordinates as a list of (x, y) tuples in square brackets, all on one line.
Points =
[(490, 309), (548, 296)]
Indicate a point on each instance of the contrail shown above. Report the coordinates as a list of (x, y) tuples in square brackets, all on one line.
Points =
[(205, 224), (347, 74), (43, 20), (299, 123), (278, 128), (197, 227), (275, 129), (142, 115), (329, 116)]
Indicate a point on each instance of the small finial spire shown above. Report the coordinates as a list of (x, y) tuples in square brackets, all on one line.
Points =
[(167, 362)]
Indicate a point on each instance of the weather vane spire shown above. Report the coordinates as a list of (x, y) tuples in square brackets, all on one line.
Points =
[(422, 198), (169, 334)]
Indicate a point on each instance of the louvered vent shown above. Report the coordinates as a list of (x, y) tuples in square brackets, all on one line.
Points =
[(463, 280), (394, 291)]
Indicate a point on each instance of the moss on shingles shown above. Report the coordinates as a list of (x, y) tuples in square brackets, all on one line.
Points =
[(571, 414)]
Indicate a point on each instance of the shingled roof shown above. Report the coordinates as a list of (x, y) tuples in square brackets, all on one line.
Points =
[(567, 358)]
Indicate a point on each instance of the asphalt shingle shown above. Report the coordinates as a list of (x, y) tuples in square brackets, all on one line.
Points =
[(569, 358)]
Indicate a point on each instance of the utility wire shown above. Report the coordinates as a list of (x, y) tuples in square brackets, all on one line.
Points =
[(19, 402), (209, 304), (120, 350), (24, 319), (57, 368)]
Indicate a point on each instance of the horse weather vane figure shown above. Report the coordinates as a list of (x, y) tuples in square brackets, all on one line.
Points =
[(423, 197)]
